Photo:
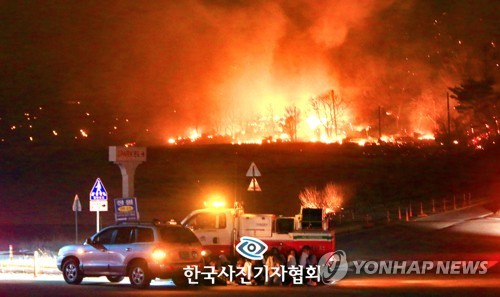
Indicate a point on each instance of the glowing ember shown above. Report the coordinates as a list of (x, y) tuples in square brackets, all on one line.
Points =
[(194, 135), (427, 137)]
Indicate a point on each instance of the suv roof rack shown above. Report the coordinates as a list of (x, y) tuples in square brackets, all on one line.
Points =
[(158, 222), (155, 222), (131, 223)]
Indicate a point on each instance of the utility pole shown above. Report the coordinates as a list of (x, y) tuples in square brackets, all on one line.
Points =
[(253, 172), (379, 123), (448, 109), (332, 94), (235, 177), (77, 206), (295, 119)]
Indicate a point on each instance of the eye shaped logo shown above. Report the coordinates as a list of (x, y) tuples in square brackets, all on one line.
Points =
[(333, 267), (251, 248)]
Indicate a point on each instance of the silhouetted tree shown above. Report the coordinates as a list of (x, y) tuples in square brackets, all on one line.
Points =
[(292, 119), (478, 106), (330, 198), (329, 109)]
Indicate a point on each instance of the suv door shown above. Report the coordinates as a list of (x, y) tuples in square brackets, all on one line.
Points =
[(119, 249), (95, 258), (129, 243)]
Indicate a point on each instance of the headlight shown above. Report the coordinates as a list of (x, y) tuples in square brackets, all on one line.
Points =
[(204, 253), (159, 254)]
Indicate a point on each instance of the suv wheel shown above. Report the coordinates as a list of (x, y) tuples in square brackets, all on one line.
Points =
[(180, 281), (138, 275), (115, 279), (71, 273)]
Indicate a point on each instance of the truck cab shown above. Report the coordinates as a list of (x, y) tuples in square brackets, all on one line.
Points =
[(219, 230), (214, 228)]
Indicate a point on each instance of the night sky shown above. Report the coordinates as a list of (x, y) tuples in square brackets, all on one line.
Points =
[(141, 71)]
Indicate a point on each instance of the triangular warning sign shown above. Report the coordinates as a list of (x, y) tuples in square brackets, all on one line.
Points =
[(77, 206), (253, 171), (254, 186)]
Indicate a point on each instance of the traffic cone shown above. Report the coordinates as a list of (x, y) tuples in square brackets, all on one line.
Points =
[(407, 219), (399, 213)]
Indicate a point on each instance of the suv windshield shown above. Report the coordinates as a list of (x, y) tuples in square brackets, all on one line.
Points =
[(177, 235)]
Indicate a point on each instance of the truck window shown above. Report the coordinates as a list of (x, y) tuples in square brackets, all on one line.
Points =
[(222, 221), (207, 221)]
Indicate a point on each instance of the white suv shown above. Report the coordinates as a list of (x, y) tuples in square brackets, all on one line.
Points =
[(141, 251)]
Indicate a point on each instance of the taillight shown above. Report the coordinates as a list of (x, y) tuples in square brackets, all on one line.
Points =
[(159, 254)]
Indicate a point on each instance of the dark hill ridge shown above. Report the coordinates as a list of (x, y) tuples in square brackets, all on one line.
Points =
[(37, 184)]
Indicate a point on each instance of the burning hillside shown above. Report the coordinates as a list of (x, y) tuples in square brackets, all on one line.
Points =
[(242, 71)]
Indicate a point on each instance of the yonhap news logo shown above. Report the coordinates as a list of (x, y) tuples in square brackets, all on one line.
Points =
[(333, 267), (251, 248), (420, 267)]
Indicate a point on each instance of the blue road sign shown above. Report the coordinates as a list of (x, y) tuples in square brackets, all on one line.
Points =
[(98, 192)]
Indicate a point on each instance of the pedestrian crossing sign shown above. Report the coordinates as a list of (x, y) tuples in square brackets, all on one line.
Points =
[(98, 192)]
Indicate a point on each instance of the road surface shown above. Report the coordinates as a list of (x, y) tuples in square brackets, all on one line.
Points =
[(469, 235)]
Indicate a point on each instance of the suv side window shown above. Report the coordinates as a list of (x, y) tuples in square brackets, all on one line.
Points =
[(177, 235), (123, 235), (106, 236), (144, 235)]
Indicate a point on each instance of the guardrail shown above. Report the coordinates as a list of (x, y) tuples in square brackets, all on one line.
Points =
[(27, 263), (359, 217)]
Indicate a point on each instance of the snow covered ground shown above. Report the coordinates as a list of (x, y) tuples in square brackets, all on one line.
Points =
[(475, 220)]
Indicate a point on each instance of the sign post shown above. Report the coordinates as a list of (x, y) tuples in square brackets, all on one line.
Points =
[(77, 206), (98, 200), (127, 158), (254, 172)]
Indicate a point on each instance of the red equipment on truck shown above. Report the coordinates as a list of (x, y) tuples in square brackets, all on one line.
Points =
[(220, 229)]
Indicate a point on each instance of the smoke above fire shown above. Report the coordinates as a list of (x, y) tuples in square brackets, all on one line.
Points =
[(172, 67)]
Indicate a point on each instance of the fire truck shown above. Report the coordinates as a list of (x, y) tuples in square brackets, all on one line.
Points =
[(219, 229)]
